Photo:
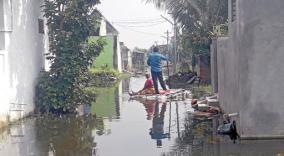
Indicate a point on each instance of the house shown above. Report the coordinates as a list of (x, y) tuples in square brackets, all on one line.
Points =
[(126, 58), (111, 55), (248, 68), (202, 67), (23, 42), (139, 60)]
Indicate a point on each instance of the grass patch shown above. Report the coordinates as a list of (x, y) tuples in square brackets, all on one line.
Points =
[(201, 91)]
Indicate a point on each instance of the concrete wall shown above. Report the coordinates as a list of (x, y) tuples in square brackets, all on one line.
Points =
[(214, 66), (22, 57), (138, 61), (250, 68), (117, 52), (262, 48), (126, 59)]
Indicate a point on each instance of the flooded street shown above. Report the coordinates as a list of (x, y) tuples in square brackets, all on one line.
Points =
[(117, 126)]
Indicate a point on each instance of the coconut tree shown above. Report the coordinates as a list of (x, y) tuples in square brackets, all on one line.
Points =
[(195, 15), (197, 19)]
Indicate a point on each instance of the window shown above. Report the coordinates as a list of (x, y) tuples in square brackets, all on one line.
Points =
[(1, 15), (41, 26), (6, 24), (234, 10)]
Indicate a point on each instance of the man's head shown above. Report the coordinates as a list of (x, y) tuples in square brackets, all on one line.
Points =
[(147, 76), (155, 49)]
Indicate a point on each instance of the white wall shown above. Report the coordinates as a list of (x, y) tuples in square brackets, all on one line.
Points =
[(250, 68), (119, 65), (103, 31), (22, 58), (129, 60), (4, 102)]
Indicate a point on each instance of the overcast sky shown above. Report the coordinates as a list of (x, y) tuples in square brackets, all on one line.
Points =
[(139, 24)]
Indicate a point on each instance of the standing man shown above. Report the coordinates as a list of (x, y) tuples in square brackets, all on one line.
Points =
[(155, 61)]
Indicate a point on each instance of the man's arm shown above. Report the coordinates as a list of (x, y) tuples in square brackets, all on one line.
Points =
[(165, 58), (148, 61)]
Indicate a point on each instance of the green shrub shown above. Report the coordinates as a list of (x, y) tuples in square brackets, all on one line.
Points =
[(70, 23), (104, 77)]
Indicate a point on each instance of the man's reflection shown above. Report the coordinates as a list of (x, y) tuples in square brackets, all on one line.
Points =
[(157, 130)]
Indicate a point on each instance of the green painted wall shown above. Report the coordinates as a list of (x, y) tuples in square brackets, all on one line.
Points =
[(106, 56)]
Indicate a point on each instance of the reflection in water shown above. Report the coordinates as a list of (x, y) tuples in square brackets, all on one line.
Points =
[(193, 139), (121, 128), (157, 130), (149, 107), (66, 135), (125, 85), (109, 100), (50, 136), (19, 140), (156, 111), (107, 106), (199, 138), (106, 103)]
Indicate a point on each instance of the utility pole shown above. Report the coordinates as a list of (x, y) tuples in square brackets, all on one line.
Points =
[(168, 51), (175, 46), (168, 48), (174, 24)]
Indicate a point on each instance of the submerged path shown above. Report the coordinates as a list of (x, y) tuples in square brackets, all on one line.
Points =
[(116, 126)]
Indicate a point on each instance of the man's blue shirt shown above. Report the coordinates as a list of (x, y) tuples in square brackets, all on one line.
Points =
[(155, 61)]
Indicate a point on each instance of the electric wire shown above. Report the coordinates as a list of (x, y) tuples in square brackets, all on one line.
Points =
[(137, 31), (140, 21), (141, 26), (130, 24)]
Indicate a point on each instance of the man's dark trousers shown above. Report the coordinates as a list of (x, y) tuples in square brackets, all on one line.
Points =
[(155, 77)]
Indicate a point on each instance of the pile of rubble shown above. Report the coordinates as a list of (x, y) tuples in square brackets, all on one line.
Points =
[(209, 108), (206, 108), (182, 78)]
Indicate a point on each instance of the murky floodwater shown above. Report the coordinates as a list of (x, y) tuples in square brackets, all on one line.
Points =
[(116, 126)]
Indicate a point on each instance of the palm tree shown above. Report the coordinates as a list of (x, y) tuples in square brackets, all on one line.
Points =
[(195, 15), (196, 18)]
